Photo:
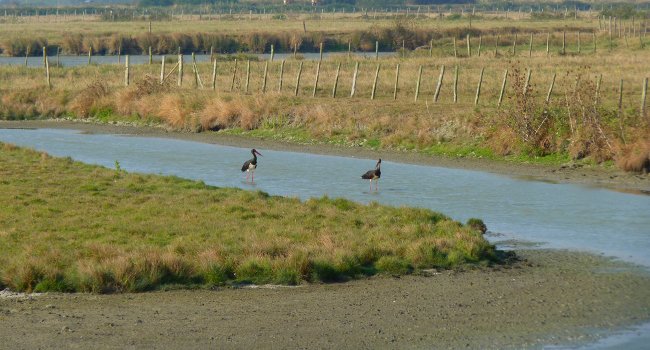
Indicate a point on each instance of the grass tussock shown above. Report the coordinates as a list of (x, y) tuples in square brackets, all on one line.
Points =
[(76, 227)]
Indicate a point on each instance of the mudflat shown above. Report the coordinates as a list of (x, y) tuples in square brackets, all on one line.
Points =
[(596, 175), (547, 297)]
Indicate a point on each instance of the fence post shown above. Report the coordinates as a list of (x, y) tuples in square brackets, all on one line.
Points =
[(439, 85), (527, 82), (196, 74), (313, 94), (119, 55), (643, 95), (150, 56), (431, 48), (281, 76), (234, 74), (480, 41), (564, 42), (417, 85), (496, 47), (58, 53), (126, 72), (374, 84), (211, 53), (248, 75), (162, 70), (594, 36), (214, 74), (455, 50), (180, 69), (514, 46), (469, 47), (376, 50), (579, 44), (456, 84), (298, 80), (349, 48), (597, 97), (44, 55), (396, 82), (321, 52), (266, 71), (550, 89), (530, 46), (354, 79), (503, 88), (478, 88), (90, 54), (272, 52), (548, 39), (336, 80), (47, 72)]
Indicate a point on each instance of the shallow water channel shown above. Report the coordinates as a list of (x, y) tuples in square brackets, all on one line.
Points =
[(551, 215)]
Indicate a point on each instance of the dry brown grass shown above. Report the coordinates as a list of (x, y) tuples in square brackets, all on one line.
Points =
[(636, 156)]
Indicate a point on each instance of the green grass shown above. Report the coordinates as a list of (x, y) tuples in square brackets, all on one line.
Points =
[(67, 226)]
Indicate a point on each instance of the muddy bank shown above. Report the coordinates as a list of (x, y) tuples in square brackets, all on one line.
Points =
[(551, 297), (584, 175)]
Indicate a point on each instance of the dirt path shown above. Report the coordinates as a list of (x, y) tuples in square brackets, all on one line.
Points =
[(590, 176), (552, 298)]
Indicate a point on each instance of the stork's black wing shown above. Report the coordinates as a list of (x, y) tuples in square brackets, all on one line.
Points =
[(370, 174), (246, 165)]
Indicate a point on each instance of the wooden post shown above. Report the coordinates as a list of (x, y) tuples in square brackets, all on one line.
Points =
[(248, 76), (126, 71), (196, 74), (579, 44), (90, 53), (594, 36), (456, 84), (514, 46), (550, 89), (336, 80), (266, 71), (272, 52), (620, 95), (354, 79), (431, 48), (455, 50), (349, 49), (480, 41), (180, 69), (417, 85), (527, 82), (149, 27), (530, 46), (47, 72), (597, 97), (503, 88), (234, 74), (376, 50), (214, 74), (321, 52), (496, 47), (313, 94), (211, 53), (119, 55), (281, 76), (564, 42), (295, 93), (644, 92), (548, 39), (374, 84), (439, 85), (162, 70), (469, 47), (478, 88), (396, 82), (44, 56), (58, 53)]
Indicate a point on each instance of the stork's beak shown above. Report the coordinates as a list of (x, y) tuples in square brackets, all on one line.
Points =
[(258, 153)]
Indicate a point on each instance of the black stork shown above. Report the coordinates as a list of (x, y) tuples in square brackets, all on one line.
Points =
[(250, 165), (373, 175)]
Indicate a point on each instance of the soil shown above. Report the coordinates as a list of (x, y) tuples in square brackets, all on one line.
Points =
[(549, 297), (599, 176)]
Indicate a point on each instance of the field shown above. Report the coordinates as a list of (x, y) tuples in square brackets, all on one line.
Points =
[(92, 229)]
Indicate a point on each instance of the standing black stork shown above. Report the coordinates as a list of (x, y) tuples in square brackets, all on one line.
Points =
[(250, 165), (373, 175)]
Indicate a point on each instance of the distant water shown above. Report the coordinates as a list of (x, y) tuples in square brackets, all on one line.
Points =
[(72, 61)]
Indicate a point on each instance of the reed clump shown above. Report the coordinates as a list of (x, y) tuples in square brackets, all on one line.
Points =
[(88, 230)]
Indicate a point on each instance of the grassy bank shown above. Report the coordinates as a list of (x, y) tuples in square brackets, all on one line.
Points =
[(66, 226), (580, 122)]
